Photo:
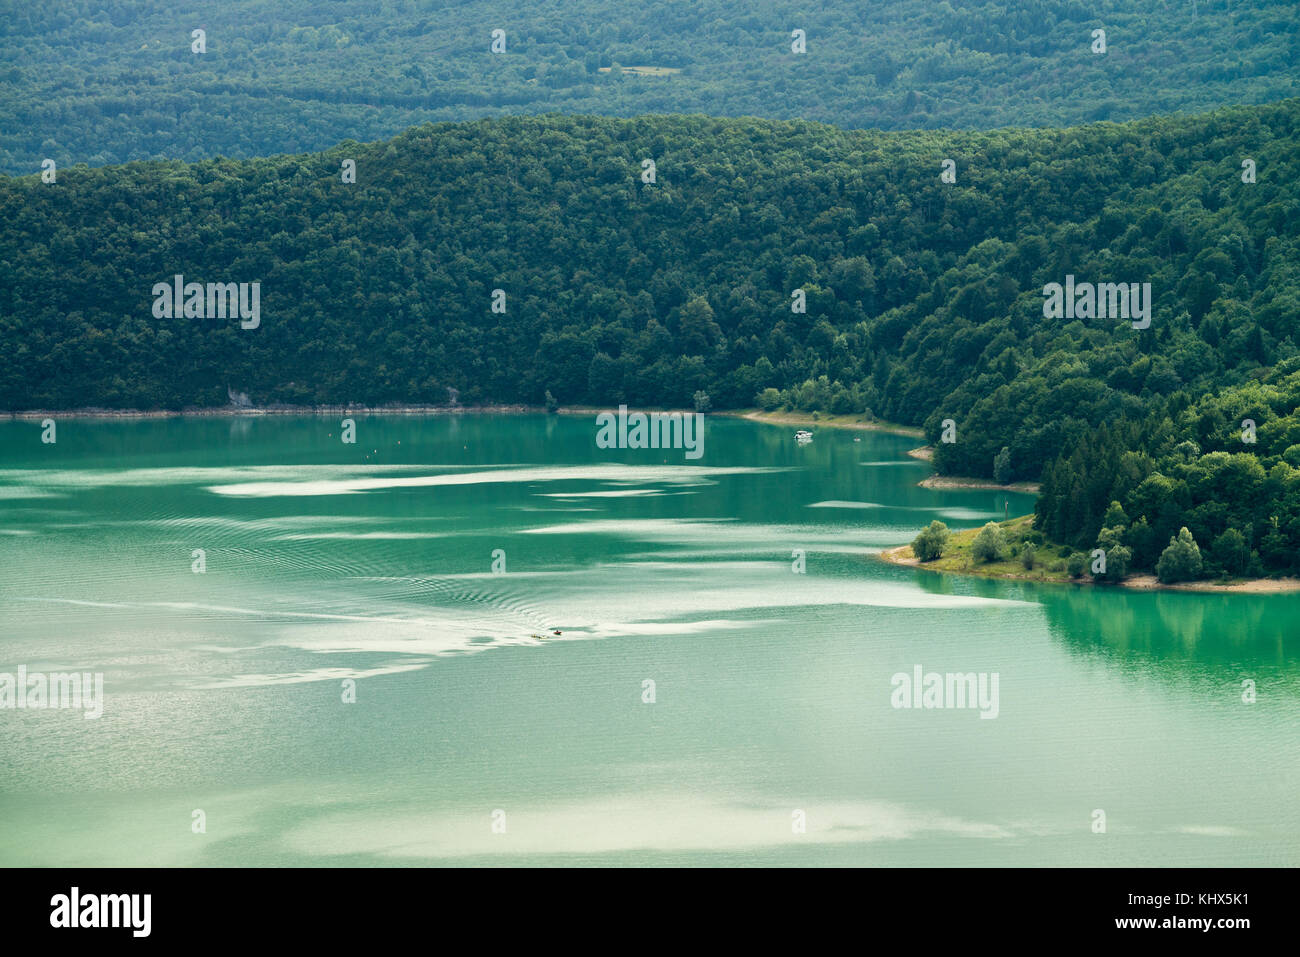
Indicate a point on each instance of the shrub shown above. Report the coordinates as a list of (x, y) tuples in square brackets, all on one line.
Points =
[(928, 545), (1076, 564), (1028, 556), (1118, 559), (989, 544)]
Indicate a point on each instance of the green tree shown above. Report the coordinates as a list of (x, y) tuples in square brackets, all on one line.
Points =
[(697, 326), (1181, 561), (928, 545), (1230, 552), (990, 544), (1114, 517), (1002, 473)]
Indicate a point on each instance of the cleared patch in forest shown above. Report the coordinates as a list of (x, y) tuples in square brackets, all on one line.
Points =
[(645, 70)]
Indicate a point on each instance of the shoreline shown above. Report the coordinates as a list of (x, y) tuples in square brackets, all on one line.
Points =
[(232, 410), (898, 555), (753, 415), (935, 481), (902, 555), (823, 422)]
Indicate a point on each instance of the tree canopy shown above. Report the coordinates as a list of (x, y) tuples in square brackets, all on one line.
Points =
[(110, 81)]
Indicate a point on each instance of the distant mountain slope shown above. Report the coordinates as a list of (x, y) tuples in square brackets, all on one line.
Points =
[(924, 299), (107, 82)]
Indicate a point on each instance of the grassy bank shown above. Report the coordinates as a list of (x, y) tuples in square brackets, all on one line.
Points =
[(956, 557), (1050, 564)]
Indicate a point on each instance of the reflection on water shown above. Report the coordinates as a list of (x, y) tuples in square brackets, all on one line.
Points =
[(1228, 630)]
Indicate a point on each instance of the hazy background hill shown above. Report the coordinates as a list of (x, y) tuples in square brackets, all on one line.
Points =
[(107, 82)]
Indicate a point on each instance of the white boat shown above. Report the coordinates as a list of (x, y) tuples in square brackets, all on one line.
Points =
[(803, 436)]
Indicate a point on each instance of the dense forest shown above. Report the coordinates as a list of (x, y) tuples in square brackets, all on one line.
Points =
[(924, 299), (1190, 465), (111, 81)]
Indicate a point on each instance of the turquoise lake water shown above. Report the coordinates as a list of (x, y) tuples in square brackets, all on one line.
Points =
[(224, 691)]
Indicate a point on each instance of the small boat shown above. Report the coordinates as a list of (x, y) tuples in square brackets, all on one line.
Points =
[(803, 436)]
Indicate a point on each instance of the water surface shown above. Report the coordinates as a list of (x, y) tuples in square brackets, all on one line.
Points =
[(374, 562)]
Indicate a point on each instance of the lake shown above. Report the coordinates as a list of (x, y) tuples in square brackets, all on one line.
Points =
[(723, 690)]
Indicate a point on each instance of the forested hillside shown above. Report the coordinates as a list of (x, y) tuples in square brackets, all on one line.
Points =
[(924, 299), (1194, 465), (108, 82)]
